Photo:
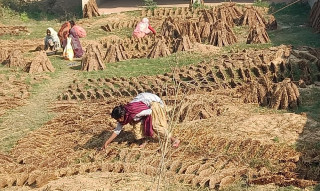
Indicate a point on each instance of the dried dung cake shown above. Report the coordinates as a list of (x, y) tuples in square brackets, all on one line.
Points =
[(92, 59), (40, 63), (15, 59), (257, 35), (91, 9)]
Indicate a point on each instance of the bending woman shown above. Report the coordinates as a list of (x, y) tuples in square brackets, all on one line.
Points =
[(146, 113), (143, 28)]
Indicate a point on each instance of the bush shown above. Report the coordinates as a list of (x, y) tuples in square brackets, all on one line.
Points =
[(150, 4)]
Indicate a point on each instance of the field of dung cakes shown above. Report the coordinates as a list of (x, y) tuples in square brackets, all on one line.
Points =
[(245, 109)]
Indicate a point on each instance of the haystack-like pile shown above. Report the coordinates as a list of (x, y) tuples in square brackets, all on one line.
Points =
[(3, 54), (159, 49), (282, 95), (253, 17), (41, 63), (257, 35), (175, 28), (93, 59), (315, 16), (285, 95), (115, 52), (182, 44), (15, 59), (221, 34), (90, 9), (229, 13)]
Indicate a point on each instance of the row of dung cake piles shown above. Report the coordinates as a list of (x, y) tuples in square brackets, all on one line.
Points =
[(15, 58), (213, 26), (244, 69)]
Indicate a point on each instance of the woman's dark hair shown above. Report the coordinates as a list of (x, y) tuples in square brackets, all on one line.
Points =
[(72, 23), (118, 112)]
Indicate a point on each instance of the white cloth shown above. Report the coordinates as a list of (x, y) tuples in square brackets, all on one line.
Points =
[(146, 98), (53, 36)]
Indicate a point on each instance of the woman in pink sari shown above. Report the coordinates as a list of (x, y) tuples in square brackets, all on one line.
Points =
[(143, 28)]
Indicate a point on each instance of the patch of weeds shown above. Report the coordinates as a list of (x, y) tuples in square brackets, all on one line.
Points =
[(261, 3), (276, 139), (115, 159), (133, 13), (293, 28), (258, 162), (137, 157), (288, 188), (85, 158), (237, 185), (294, 146), (197, 5), (227, 147), (317, 145), (24, 17), (150, 4), (310, 103), (87, 87), (317, 187), (179, 167)]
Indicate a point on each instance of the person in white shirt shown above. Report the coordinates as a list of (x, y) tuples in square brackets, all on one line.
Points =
[(146, 113)]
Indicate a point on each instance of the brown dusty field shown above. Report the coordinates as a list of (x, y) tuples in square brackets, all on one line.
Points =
[(233, 114)]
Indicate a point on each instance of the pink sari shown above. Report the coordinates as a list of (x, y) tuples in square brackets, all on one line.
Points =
[(141, 30)]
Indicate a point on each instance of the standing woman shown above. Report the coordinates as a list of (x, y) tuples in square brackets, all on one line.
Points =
[(75, 41), (64, 33), (51, 41), (143, 28)]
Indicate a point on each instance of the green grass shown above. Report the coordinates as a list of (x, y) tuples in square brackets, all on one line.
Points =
[(144, 66), (310, 103), (260, 3), (293, 26)]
